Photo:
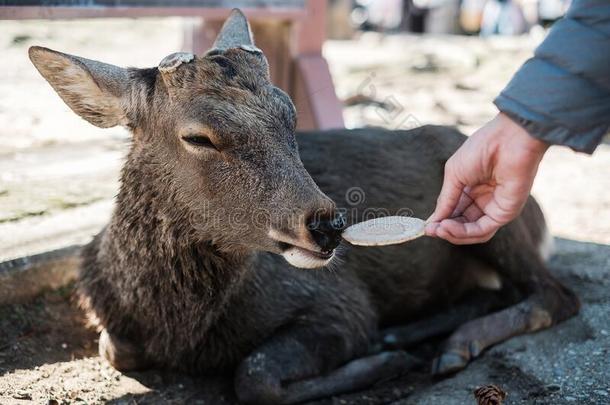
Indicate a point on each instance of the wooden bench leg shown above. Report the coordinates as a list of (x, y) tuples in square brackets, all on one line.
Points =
[(199, 35), (314, 94), (313, 89)]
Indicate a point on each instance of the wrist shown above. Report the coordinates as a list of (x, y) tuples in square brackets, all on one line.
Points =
[(519, 135)]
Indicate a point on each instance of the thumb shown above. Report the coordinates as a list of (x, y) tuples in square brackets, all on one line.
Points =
[(449, 196)]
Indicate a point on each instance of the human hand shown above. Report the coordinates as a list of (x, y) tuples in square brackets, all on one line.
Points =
[(487, 182)]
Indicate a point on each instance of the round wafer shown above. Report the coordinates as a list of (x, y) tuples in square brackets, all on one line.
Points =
[(384, 231)]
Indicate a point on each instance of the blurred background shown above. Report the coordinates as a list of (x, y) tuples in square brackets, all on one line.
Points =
[(484, 17)]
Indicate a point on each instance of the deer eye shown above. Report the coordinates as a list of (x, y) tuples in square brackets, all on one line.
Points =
[(199, 141)]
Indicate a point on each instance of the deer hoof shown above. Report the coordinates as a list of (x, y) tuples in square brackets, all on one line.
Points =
[(449, 362), (122, 355)]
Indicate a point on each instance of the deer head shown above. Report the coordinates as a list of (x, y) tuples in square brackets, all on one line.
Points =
[(218, 137)]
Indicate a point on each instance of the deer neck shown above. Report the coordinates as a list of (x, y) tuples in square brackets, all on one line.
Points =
[(150, 233)]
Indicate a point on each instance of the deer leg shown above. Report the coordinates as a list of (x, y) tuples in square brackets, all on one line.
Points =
[(354, 376), (544, 308), (518, 252), (294, 367), (476, 304), (121, 354)]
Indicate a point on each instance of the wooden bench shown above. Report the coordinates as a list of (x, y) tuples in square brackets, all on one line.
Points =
[(290, 32)]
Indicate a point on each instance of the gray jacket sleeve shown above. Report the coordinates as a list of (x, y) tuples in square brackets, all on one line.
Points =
[(562, 94)]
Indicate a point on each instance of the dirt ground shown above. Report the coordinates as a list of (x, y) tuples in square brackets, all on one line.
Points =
[(48, 354), (58, 176)]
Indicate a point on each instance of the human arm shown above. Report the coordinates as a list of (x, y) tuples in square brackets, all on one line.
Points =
[(560, 96)]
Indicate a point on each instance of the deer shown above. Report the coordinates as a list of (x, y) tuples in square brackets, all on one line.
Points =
[(224, 253)]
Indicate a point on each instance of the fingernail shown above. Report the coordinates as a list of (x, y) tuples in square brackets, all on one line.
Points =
[(442, 232), (431, 228)]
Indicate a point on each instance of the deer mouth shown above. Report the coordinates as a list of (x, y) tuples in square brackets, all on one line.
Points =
[(318, 254), (293, 251), (305, 258)]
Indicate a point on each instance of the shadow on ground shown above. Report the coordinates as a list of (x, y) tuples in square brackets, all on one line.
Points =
[(46, 352), (48, 330)]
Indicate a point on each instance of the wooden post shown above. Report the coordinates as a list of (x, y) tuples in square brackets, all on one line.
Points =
[(313, 89), (199, 35)]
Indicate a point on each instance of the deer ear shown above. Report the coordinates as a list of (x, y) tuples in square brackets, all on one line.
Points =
[(235, 33), (93, 90)]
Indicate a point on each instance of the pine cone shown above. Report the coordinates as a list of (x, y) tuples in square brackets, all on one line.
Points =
[(489, 395)]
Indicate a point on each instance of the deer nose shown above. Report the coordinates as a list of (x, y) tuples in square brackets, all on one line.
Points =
[(326, 231)]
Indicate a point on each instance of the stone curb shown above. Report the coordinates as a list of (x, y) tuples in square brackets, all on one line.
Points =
[(24, 278)]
